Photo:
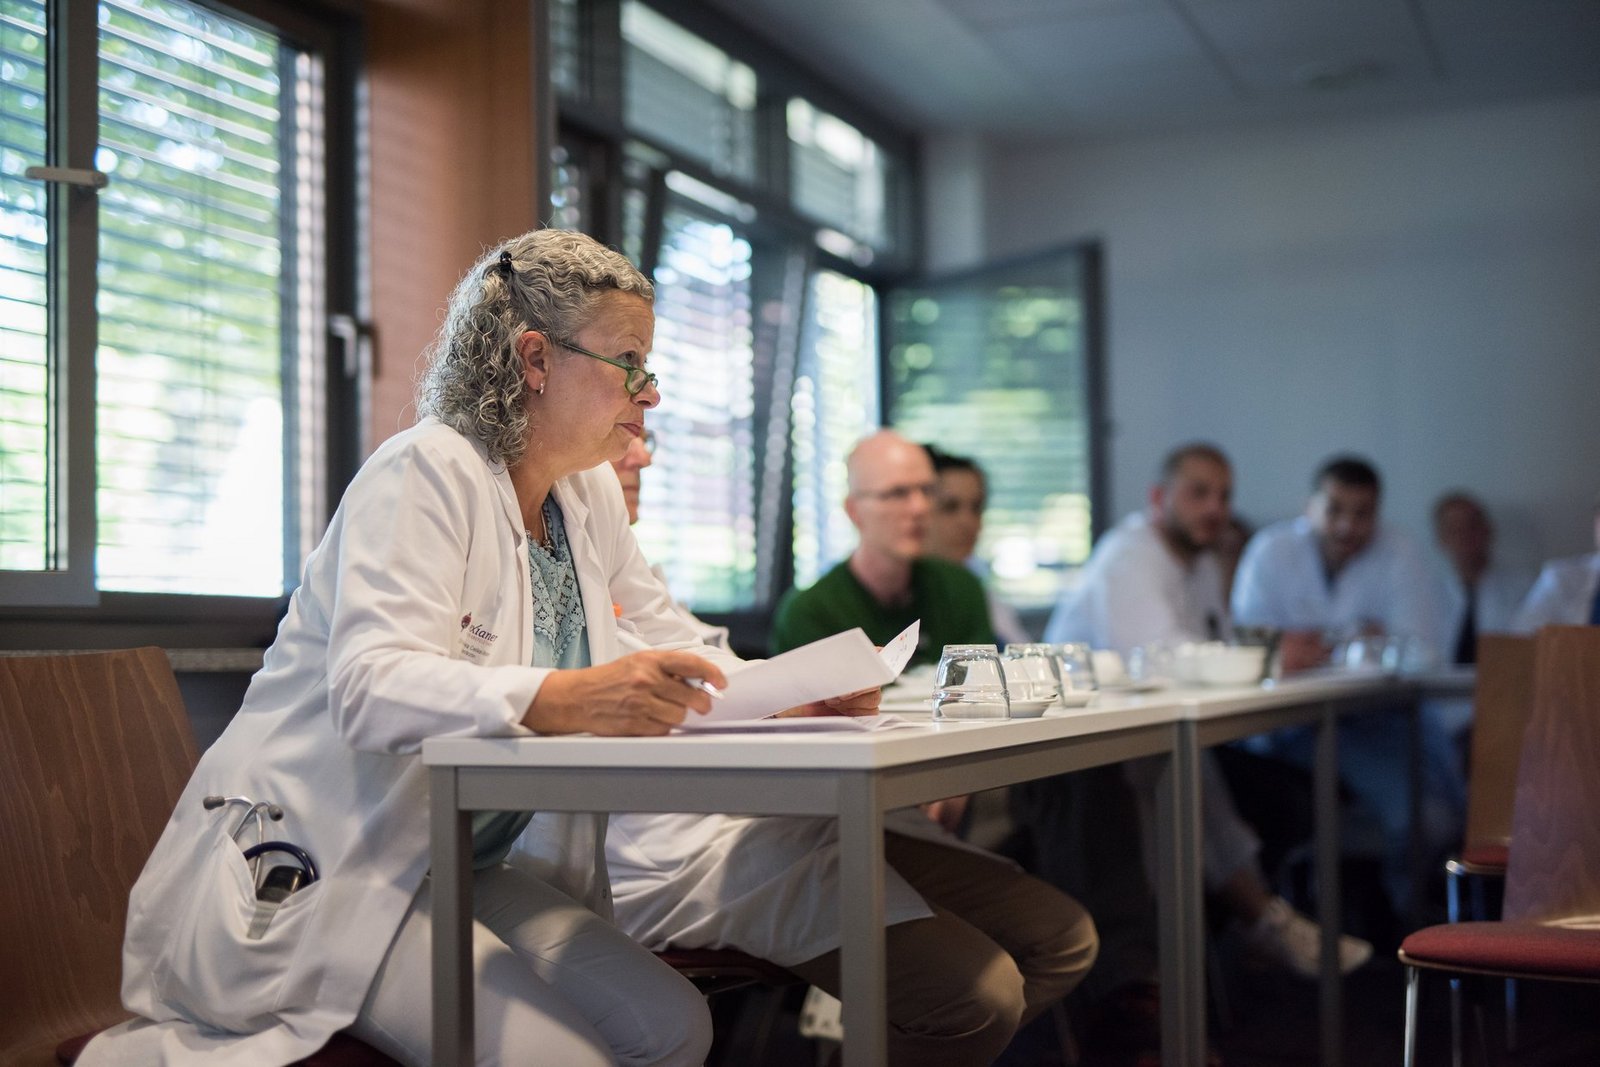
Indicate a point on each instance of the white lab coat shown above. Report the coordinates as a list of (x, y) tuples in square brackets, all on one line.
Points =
[(1563, 595), (1134, 591), (1281, 583), (414, 620)]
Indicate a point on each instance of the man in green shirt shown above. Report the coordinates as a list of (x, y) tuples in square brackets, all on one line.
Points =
[(887, 583)]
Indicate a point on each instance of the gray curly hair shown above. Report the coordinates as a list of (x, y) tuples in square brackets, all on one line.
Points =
[(474, 382)]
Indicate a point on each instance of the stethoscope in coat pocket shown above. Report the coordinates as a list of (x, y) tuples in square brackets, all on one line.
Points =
[(281, 880)]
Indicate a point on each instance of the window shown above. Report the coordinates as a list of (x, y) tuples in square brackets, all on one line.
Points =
[(687, 94), (1001, 365), (838, 176), (697, 507), (166, 330), (765, 220), (834, 405)]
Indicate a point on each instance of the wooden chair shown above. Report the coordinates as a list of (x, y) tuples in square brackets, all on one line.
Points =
[(95, 748), (1502, 702), (1552, 896)]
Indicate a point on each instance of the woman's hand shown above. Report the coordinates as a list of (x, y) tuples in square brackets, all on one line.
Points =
[(641, 693), (864, 702)]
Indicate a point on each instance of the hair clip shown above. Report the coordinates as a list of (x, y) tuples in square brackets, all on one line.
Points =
[(504, 266)]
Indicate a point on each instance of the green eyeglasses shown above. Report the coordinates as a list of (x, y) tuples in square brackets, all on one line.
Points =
[(637, 377)]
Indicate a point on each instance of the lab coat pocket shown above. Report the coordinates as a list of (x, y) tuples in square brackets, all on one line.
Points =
[(211, 972)]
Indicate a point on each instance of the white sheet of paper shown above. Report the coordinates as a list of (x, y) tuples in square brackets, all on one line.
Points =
[(813, 724), (831, 667)]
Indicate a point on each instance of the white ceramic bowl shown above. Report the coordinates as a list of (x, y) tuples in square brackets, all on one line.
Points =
[(1229, 665)]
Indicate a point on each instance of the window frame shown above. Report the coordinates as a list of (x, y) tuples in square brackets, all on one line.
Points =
[(63, 608)]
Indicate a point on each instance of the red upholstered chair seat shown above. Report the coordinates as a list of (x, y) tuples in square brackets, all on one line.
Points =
[(1529, 950), (341, 1050), (1487, 857)]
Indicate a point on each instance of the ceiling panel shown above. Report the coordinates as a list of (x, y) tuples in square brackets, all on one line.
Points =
[(1110, 67)]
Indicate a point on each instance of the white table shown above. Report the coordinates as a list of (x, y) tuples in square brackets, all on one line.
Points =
[(856, 777)]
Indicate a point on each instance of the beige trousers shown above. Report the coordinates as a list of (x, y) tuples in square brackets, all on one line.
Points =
[(1000, 948)]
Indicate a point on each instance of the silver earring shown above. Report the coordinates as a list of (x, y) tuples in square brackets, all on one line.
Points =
[(540, 390)]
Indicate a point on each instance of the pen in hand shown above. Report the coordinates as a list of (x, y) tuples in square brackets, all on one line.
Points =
[(705, 687)]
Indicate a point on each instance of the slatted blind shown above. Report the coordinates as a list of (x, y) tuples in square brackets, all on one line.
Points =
[(687, 94), (697, 504), (837, 175), (196, 114), (835, 403), (995, 366), (25, 440)]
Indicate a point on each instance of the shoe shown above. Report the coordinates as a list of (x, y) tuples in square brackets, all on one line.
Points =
[(1284, 938)]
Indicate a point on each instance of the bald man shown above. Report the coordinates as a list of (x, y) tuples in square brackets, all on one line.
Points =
[(887, 582)]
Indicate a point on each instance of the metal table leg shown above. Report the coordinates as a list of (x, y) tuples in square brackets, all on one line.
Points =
[(1325, 787), (452, 923), (862, 960), (1180, 904)]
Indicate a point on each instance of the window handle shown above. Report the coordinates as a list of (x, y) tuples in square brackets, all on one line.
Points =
[(90, 179)]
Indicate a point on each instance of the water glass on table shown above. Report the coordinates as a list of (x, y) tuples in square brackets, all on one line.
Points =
[(970, 685), (1031, 674), (1075, 668)]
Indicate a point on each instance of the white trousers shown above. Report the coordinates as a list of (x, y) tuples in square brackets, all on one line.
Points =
[(555, 984)]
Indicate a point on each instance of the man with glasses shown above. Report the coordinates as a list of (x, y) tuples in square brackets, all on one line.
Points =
[(887, 583)]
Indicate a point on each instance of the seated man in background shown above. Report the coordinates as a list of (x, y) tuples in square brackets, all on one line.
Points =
[(1479, 596), (1155, 580), (888, 582), (955, 525), (1567, 592), (975, 947), (1335, 574)]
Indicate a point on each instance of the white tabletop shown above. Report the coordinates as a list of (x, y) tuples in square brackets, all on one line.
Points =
[(854, 750)]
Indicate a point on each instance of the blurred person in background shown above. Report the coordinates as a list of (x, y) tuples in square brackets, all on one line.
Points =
[(1337, 573), (1155, 580), (955, 526), (1567, 592)]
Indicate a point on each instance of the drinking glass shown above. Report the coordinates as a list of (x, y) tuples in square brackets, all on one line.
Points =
[(970, 684), (1075, 666), (1031, 673)]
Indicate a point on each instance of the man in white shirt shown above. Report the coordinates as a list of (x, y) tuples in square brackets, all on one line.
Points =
[(1567, 592), (1333, 574), (1477, 597), (1480, 596), (1155, 580)]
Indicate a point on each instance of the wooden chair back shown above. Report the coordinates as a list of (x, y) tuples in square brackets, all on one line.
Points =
[(1502, 704), (1554, 870), (94, 749)]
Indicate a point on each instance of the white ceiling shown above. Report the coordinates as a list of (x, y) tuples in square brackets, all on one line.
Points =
[(1083, 68)]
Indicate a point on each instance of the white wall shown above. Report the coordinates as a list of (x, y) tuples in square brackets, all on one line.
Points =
[(1424, 289)]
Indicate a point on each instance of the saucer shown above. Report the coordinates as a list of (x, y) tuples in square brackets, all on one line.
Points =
[(1077, 699), (1029, 709)]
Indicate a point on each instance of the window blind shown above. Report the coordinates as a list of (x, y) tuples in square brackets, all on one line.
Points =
[(26, 450), (995, 366), (195, 123), (697, 504), (835, 404)]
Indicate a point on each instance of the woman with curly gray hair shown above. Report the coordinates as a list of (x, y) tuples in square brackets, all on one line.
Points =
[(474, 582)]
